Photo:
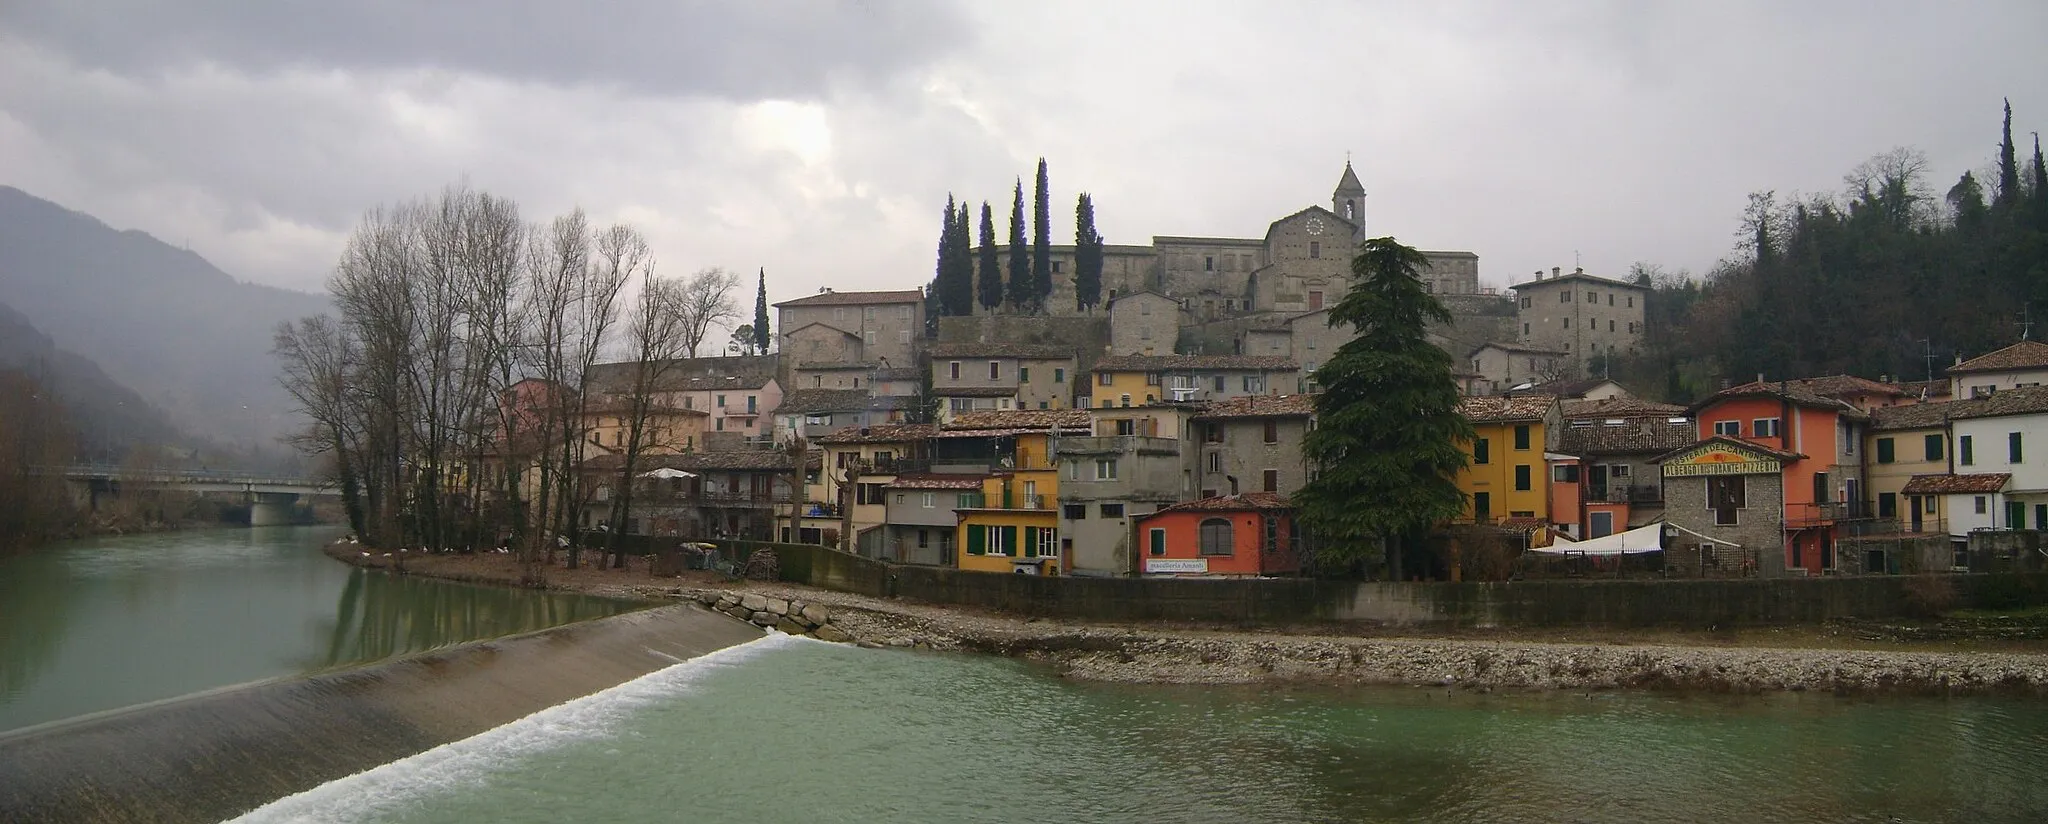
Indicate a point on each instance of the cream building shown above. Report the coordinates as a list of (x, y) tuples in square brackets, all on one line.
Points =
[(879, 328), (1580, 315)]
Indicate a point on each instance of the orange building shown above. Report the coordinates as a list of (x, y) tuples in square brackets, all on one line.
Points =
[(1250, 534), (1822, 474)]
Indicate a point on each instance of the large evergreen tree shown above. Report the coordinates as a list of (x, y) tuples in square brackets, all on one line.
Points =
[(943, 287), (1041, 242), (991, 269), (1388, 436), (1087, 256), (963, 257), (762, 337), (1020, 254), (2008, 166)]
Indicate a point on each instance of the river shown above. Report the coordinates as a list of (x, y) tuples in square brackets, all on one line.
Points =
[(793, 730), (111, 622)]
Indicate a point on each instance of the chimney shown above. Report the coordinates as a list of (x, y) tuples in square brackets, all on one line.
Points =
[(1556, 271), (1759, 377), (1539, 274), (1578, 270)]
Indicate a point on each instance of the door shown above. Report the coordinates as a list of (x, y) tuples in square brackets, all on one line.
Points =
[(1913, 502), (2015, 515), (1596, 481), (1600, 524)]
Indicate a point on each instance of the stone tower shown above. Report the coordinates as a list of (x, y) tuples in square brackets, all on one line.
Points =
[(1349, 199)]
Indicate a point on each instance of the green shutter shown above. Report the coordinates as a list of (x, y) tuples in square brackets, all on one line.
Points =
[(1886, 453), (1031, 542), (1010, 541), (977, 541)]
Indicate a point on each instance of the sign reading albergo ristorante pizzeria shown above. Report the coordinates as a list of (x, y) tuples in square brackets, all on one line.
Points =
[(1719, 458)]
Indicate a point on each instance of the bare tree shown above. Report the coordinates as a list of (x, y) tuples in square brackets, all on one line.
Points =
[(707, 301), (655, 334)]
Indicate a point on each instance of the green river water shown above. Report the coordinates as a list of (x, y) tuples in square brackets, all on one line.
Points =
[(793, 730)]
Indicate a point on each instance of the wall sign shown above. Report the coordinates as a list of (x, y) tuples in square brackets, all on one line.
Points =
[(1719, 459), (1167, 565)]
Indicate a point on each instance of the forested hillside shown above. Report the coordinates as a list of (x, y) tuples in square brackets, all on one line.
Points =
[(1902, 268)]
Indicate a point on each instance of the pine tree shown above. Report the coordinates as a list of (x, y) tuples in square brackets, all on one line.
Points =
[(990, 264), (1388, 438), (1020, 255), (2008, 166), (942, 272), (1087, 256), (761, 335), (1041, 243)]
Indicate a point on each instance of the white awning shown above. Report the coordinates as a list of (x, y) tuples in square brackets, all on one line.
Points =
[(1633, 542), (666, 472)]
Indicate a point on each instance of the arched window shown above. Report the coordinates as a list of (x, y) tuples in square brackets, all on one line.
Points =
[(1350, 212), (1216, 538)]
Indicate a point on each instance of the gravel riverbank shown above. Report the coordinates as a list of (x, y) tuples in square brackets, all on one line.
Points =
[(1194, 655)]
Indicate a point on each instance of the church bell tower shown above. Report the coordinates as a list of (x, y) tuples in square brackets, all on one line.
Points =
[(1349, 199)]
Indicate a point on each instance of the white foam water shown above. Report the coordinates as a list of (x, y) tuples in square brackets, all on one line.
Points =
[(376, 793)]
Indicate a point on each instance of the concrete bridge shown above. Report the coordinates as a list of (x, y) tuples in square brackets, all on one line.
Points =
[(270, 497)]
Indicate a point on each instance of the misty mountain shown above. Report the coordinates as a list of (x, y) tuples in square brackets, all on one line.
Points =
[(105, 417), (159, 320)]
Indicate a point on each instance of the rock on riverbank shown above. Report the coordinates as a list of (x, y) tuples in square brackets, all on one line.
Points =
[(792, 616)]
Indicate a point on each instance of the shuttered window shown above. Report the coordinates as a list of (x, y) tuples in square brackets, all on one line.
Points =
[(1215, 537)]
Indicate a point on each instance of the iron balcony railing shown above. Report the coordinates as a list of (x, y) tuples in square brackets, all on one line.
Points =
[(977, 500), (1117, 445), (1626, 493), (1823, 514)]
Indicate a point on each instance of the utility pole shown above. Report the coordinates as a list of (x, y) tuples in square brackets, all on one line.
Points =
[(1929, 343)]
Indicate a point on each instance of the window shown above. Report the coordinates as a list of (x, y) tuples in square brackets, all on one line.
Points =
[(753, 404), (1525, 329), (1482, 506), (1208, 263), (1887, 505), (903, 312), (1964, 454), (1981, 391), (868, 337), (1479, 450), (1610, 298), (1217, 382), (923, 540), (1927, 505), (867, 313), (1315, 249), (1764, 427), (1521, 477), (2012, 447), (1157, 543), (1933, 447), (1631, 302), (1568, 474), (1982, 506), (1272, 431), (1216, 537), (720, 425), (1564, 297), (1056, 267), (1610, 326), (1126, 400), (1074, 512), (1112, 510), (1567, 323), (1272, 534), (929, 500), (1885, 451), (1215, 463), (1726, 495), (1126, 426), (1592, 297), (839, 313), (1254, 383), (721, 401), (1023, 374), (1522, 437), (1617, 470), (995, 369), (1105, 470), (1048, 542), (903, 336), (1525, 301), (1144, 333), (1269, 480), (1152, 379), (1102, 378), (868, 494)]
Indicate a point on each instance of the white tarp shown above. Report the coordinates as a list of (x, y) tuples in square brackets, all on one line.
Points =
[(666, 472), (1633, 542)]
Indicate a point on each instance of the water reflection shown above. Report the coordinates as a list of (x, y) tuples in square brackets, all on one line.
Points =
[(380, 615)]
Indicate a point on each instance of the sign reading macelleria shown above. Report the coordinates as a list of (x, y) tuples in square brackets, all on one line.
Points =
[(1171, 565)]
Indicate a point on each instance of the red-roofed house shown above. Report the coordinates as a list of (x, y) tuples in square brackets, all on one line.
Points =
[(1815, 440), (1237, 535), (2019, 365)]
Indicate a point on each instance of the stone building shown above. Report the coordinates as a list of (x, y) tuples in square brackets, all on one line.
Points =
[(1143, 322), (880, 328), (1580, 315), (967, 377), (1503, 366), (1132, 463), (1727, 498), (1253, 444)]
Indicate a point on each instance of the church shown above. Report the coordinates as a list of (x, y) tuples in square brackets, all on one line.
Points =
[(1301, 264)]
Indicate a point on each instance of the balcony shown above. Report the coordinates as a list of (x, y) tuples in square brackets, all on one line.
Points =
[(1800, 516), (977, 500), (1118, 445), (1625, 494), (743, 499)]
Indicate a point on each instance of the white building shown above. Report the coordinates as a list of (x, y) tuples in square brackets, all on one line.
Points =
[(2006, 433), (2017, 366)]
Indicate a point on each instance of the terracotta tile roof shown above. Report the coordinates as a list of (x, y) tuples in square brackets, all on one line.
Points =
[(823, 400), (1523, 523), (1570, 389), (1793, 391), (1925, 390), (1498, 409), (2027, 354), (1261, 406), (1512, 347), (1646, 435), (1000, 349), (624, 406), (1956, 484), (1177, 363), (880, 433), (1021, 419), (1916, 415), (1837, 386), (1231, 503), (2026, 400), (682, 374), (1736, 443), (1619, 408), (937, 481), (856, 298), (974, 391), (1546, 280)]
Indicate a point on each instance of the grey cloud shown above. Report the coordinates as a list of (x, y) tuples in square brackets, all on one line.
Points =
[(736, 50)]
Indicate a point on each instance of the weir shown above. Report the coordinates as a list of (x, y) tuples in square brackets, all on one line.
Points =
[(207, 757)]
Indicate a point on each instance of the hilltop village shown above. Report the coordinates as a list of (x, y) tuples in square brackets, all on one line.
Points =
[(1161, 433)]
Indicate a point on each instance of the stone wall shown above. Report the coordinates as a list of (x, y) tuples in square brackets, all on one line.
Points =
[(1629, 603), (1088, 336)]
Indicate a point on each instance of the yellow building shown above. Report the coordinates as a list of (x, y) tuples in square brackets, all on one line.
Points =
[(1904, 441), (1013, 522), (1139, 380), (666, 430), (1505, 476), (859, 462)]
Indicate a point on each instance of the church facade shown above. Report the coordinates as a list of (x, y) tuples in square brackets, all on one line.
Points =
[(1301, 264)]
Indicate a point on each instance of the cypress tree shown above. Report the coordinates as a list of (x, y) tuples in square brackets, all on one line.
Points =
[(963, 258), (1041, 243), (1087, 255), (1020, 255), (991, 265), (2008, 166), (1389, 437), (761, 336), (942, 274)]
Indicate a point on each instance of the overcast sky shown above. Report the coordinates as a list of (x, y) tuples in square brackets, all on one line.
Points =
[(820, 139)]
